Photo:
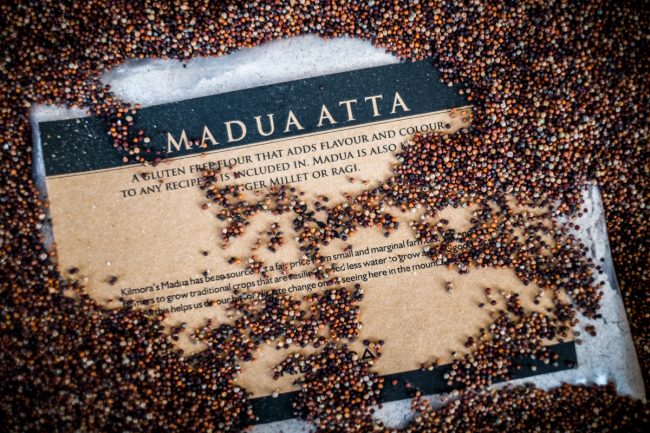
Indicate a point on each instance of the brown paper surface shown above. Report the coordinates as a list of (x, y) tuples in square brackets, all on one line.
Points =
[(153, 243)]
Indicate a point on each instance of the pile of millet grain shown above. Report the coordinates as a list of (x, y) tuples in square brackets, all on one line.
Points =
[(560, 91)]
